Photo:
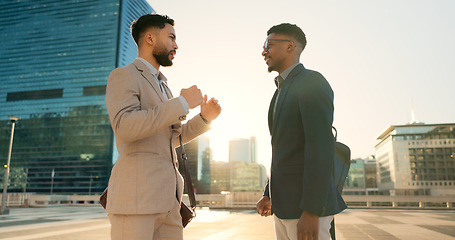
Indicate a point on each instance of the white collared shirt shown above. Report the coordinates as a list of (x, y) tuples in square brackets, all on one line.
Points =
[(160, 78)]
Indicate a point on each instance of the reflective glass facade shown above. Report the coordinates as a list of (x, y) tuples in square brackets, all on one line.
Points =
[(199, 157), (56, 58)]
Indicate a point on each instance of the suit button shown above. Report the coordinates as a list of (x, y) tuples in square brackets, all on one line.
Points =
[(181, 118)]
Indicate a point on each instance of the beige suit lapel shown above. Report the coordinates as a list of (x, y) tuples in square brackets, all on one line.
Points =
[(148, 76)]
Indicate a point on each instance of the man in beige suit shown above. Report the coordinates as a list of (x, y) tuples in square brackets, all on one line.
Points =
[(145, 187)]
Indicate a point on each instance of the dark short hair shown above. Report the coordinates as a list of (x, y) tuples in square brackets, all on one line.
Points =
[(140, 25), (290, 30)]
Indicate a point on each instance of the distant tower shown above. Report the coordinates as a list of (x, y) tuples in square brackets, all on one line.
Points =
[(243, 150)]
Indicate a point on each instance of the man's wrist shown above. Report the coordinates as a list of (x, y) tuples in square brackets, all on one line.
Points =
[(205, 120), (308, 214)]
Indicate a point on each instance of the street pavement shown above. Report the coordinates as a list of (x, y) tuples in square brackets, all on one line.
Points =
[(87, 223)]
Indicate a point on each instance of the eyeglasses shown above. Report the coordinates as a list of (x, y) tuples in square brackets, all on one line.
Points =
[(267, 42)]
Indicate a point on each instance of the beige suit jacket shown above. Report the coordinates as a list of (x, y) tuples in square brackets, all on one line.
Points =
[(145, 179)]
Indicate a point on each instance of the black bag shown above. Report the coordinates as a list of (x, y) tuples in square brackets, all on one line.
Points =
[(342, 163), (340, 172), (187, 214)]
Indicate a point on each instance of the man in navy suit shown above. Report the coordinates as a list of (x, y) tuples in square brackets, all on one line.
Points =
[(301, 192)]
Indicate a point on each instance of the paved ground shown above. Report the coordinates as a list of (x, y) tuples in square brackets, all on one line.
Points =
[(87, 223)]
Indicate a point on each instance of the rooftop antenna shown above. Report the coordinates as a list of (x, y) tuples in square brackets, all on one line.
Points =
[(413, 114)]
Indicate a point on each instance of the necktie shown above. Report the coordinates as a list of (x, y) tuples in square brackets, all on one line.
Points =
[(279, 83), (165, 90)]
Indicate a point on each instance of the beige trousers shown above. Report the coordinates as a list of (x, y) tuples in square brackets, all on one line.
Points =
[(286, 229), (160, 226)]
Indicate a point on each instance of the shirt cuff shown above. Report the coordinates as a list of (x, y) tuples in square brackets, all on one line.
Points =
[(185, 105)]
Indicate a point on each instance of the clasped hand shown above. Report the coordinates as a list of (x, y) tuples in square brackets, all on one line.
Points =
[(209, 109)]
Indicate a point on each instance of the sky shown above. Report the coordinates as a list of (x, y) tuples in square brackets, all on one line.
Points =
[(378, 56)]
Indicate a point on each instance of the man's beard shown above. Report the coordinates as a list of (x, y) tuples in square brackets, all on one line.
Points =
[(162, 57), (270, 67)]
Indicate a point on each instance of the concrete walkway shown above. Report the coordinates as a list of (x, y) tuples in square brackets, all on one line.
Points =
[(87, 223)]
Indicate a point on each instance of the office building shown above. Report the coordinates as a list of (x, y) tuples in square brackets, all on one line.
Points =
[(242, 150), (220, 177), (237, 176), (361, 179), (246, 177), (56, 58), (199, 156), (371, 174), (417, 159)]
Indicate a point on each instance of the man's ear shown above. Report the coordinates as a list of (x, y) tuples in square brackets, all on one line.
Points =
[(149, 38), (291, 46)]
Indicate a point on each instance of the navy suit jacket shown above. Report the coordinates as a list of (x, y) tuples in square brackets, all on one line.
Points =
[(303, 147)]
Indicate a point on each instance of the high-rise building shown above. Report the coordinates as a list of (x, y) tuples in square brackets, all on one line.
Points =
[(56, 57), (199, 156), (417, 159), (242, 150)]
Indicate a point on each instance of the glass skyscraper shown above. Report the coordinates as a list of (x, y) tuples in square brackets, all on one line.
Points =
[(56, 56), (199, 156)]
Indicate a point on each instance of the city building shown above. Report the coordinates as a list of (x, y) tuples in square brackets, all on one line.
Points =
[(417, 159), (237, 177), (56, 59), (199, 156), (362, 177), (242, 150), (247, 177), (371, 174), (220, 177)]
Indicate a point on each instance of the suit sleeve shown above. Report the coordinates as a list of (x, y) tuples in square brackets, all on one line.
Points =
[(130, 122), (192, 129), (316, 109)]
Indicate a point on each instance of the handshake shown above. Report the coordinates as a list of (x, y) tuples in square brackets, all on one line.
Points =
[(209, 109)]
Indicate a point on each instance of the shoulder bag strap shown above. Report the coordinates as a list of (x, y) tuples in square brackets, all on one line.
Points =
[(189, 184)]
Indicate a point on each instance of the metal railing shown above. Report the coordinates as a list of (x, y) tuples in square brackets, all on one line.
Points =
[(241, 200)]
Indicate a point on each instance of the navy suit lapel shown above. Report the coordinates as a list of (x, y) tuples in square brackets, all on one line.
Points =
[(283, 92)]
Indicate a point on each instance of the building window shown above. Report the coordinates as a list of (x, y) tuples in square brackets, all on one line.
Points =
[(95, 90), (34, 95)]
